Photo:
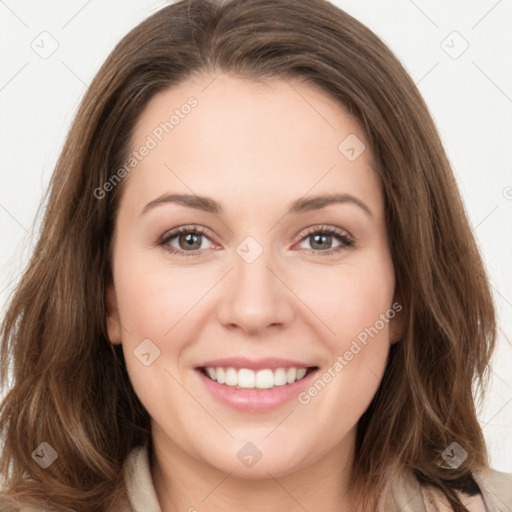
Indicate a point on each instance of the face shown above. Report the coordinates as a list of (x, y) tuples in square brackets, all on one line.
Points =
[(261, 283)]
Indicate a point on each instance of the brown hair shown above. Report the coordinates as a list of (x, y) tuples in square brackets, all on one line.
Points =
[(69, 384)]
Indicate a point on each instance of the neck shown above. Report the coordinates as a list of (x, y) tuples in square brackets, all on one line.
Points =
[(183, 483)]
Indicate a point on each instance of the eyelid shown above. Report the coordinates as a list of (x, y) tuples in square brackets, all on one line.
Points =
[(321, 228)]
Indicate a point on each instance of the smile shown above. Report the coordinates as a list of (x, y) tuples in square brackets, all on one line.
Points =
[(245, 378), (254, 386)]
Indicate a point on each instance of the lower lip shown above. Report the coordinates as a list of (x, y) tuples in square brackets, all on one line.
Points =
[(255, 400)]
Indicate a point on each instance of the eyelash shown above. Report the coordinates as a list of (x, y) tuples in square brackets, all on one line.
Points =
[(344, 238)]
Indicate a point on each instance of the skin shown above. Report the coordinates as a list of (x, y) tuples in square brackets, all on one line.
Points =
[(254, 147)]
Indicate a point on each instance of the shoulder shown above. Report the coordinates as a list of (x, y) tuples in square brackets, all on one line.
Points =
[(496, 487), (495, 494), (436, 501)]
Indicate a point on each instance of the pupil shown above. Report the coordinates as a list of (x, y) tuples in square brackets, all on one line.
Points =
[(190, 239), (318, 239)]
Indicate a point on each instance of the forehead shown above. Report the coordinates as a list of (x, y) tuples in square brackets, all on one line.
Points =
[(242, 139)]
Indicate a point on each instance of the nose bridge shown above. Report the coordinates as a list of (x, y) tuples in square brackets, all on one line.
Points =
[(255, 298)]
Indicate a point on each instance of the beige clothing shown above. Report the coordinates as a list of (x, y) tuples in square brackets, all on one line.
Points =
[(495, 488)]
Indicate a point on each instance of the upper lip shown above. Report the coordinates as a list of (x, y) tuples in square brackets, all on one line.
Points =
[(254, 364)]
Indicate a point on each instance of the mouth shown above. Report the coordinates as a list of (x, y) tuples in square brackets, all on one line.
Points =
[(255, 390), (254, 386), (263, 379)]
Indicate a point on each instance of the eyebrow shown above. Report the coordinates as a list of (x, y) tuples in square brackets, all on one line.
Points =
[(299, 206)]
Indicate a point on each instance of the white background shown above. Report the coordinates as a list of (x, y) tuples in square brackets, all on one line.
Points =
[(469, 96)]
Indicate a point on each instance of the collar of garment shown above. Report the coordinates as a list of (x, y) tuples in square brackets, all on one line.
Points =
[(495, 490)]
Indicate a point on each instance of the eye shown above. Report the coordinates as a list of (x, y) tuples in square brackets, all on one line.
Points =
[(321, 238), (189, 240)]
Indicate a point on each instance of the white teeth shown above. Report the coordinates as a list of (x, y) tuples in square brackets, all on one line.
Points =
[(265, 379), (246, 378), (280, 377), (221, 375), (261, 379), (291, 375), (231, 377)]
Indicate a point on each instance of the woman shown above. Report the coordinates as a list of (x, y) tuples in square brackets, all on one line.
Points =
[(255, 285)]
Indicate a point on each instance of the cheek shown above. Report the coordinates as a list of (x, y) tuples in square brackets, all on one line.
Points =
[(345, 387), (154, 297), (160, 309), (349, 299), (354, 304), (153, 306)]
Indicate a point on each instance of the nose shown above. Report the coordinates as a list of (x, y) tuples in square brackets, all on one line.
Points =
[(255, 296)]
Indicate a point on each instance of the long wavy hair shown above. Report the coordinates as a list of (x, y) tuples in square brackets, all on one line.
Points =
[(67, 385)]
